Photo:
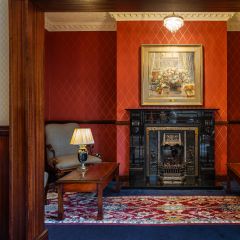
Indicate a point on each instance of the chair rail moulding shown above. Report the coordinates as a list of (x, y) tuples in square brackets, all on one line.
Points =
[(158, 16), (83, 121)]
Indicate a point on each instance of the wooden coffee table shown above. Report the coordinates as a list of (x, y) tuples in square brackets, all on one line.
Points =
[(95, 179)]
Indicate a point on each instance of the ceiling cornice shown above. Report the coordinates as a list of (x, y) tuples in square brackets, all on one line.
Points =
[(76, 26), (158, 16), (233, 27), (107, 21), (63, 22), (234, 23)]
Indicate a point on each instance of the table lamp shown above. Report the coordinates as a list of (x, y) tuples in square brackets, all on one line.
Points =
[(82, 137)]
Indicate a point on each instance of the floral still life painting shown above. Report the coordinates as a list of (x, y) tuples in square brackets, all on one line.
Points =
[(172, 75)]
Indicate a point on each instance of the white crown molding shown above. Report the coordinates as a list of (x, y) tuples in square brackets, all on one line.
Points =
[(107, 21), (233, 27), (158, 16), (78, 25), (234, 23)]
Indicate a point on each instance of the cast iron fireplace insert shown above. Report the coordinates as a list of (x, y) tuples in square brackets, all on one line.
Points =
[(172, 148)]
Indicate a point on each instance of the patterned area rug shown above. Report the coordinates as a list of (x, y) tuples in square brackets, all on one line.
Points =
[(159, 210)]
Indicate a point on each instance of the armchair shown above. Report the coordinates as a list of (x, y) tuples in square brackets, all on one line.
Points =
[(61, 156)]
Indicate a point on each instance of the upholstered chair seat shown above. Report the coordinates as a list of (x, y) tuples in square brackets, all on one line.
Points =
[(61, 155)]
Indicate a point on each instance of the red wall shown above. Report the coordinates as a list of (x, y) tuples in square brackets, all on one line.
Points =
[(233, 95), (80, 73), (96, 76), (213, 37)]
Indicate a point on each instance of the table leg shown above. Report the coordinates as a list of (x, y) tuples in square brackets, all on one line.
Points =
[(60, 202), (229, 190), (100, 202), (117, 188)]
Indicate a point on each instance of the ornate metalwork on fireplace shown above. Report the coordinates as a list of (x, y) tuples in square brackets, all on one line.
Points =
[(172, 147)]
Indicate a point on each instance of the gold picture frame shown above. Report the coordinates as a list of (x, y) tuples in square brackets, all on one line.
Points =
[(172, 75)]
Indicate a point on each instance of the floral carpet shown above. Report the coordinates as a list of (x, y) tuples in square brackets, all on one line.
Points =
[(156, 210)]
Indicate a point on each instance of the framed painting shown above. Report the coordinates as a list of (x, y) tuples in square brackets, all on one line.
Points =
[(172, 75)]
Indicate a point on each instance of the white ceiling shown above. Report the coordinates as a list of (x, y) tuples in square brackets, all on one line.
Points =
[(104, 21)]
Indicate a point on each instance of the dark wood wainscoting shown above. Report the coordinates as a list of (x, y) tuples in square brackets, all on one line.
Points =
[(4, 181)]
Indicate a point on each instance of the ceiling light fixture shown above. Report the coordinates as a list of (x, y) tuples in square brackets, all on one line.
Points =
[(173, 23)]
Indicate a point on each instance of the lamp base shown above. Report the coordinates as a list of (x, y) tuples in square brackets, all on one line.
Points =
[(82, 156), (83, 167), (81, 171)]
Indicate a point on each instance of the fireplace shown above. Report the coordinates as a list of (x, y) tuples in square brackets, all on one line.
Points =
[(171, 153), (172, 147)]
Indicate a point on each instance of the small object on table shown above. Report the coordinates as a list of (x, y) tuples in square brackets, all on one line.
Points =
[(82, 137)]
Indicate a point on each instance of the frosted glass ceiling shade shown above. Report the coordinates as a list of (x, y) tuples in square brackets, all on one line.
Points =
[(82, 136), (173, 23)]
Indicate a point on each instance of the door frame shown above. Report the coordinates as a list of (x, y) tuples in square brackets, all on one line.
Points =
[(26, 143), (26, 49)]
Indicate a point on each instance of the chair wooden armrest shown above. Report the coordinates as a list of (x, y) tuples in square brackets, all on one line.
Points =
[(98, 155), (51, 149), (233, 171), (90, 151), (52, 161)]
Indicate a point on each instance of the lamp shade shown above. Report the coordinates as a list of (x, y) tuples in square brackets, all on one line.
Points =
[(82, 136)]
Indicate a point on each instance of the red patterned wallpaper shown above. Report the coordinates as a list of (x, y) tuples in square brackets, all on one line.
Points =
[(233, 95), (233, 58), (123, 150), (234, 143), (80, 83), (80, 75), (130, 36), (213, 37), (105, 140), (81, 78)]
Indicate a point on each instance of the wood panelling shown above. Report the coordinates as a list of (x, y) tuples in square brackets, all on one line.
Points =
[(4, 181), (139, 5), (26, 196)]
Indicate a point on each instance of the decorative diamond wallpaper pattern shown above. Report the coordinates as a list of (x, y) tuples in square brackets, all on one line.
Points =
[(130, 36), (96, 76), (80, 75), (220, 149), (233, 95), (4, 64), (104, 136), (213, 37), (123, 148), (234, 143), (80, 83), (233, 58)]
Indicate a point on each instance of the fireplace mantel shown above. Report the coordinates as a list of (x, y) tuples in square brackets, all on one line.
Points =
[(143, 119), (172, 108)]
